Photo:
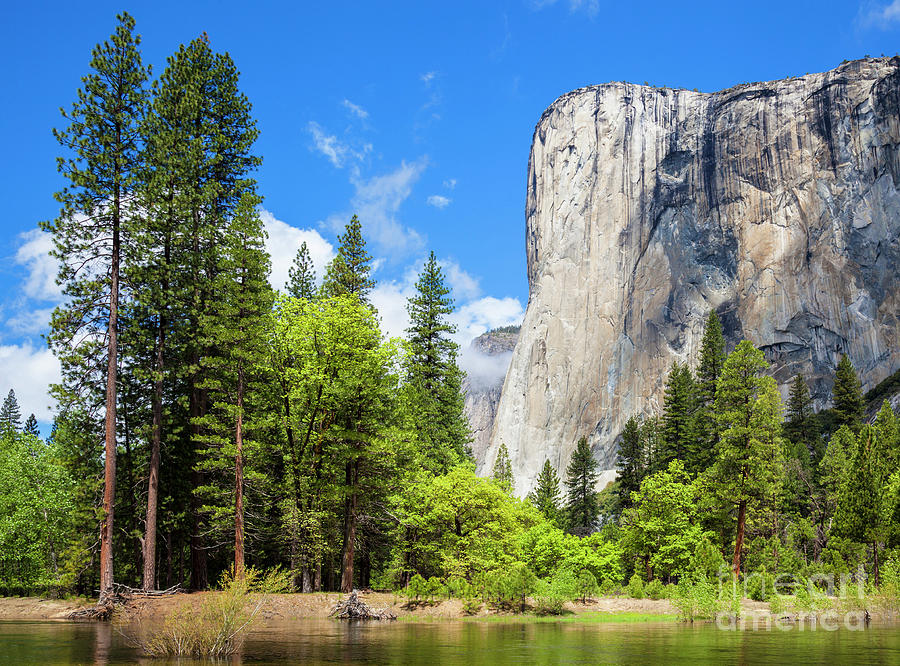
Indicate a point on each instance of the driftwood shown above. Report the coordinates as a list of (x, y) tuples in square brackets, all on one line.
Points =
[(354, 608), (119, 595)]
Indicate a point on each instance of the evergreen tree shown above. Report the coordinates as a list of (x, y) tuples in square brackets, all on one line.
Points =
[(581, 480), (348, 272), (434, 379), (834, 465), (847, 397), (10, 416), (630, 462), (749, 455), (802, 428), (678, 415), (502, 470), (236, 330), (302, 275), (651, 443), (545, 496), (702, 449), (91, 235), (31, 426)]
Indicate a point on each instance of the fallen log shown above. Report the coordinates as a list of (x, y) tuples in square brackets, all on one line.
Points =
[(354, 608)]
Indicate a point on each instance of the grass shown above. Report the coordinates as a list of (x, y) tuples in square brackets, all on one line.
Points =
[(589, 617)]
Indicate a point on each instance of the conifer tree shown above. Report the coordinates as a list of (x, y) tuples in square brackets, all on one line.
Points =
[(749, 455), (91, 235), (630, 462), (348, 272), (847, 398), (678, 415), (434, 378), (236, 332), (31, 426), (502, 470), (801, 427), (702, 449), (10, 416), (581, 480), (545, 496), (302, 275)]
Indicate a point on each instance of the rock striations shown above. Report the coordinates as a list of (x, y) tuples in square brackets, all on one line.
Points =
[(776, 204)]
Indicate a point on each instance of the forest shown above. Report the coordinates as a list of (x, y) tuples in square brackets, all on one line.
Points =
[(209, 422)]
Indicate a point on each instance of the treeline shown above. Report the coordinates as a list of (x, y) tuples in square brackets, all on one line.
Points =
[(722, 474), (207, 421)]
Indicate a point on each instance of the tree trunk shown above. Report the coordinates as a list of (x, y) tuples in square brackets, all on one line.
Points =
[(875, 556), (739, 539), (349, 530), (155, 447), (109, 484), (239, 482)]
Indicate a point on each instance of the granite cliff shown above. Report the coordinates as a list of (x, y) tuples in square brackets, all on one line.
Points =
[(776, 204)]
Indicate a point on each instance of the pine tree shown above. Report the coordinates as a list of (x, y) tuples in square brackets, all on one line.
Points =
[(801, 427), (302, 275), (434, 379), (581, 480), (848, 404), (91, 234), (502, 470), (31, 426), (545, 496), (702, 449), (749, 455), (678, 415), (630, 462), (236, 331), (10, 416), (348, 272)]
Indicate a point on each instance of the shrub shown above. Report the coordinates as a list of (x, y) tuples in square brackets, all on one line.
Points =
[(471, 606), (417, 587), (609, 587), (551, 595), (760, 585), (696, 598), (655, 589), (435, 588), (635, 587), (586, 585), (459, 587)]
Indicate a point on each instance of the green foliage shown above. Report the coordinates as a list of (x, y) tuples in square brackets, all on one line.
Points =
[(848, 406), (348, 272), (545, 496), (635, 588), (630, 461), (801, 428), (502, 470), (655, 589), (10, 416), (551, 594), (695, 598), (760, 585), (581, 479), (302, 275), (586, 585), (678, 414), (701, 449)]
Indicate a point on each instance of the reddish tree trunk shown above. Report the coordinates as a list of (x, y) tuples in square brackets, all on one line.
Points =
[(239, 483), (349, 530), (739, 540)]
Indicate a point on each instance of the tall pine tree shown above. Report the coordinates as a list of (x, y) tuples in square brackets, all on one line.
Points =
[(502, 471), (631, 462), (10, 416), (678, 414), (91, 236), (545, 496), (848, 404), (348, 272), (302, 275), (702, 448), (581, 480)]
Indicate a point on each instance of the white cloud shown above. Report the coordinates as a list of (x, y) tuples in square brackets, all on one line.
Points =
[(450, 183), (30, 321), (34, 254), (589, 7), (428, 77), (29, 371), (879, 16), (465, 287), (284, 241), (377, 201), (355, 109), (438, 201), (337, 151), (483, 370), (477, 317)]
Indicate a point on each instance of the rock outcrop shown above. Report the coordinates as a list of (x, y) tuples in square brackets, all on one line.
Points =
[(776, 204), (486, 361)]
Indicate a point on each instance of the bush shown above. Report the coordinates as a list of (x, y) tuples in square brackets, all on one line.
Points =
[(635, 588), (417, 588), (435, 588), (551, 595), (609, 587), (586, 585), (696, 598), (471, 606), (459, 587), (655, 589), (760, 585)]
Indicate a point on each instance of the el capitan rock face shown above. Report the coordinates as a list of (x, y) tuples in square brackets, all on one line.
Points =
[(776, 204)]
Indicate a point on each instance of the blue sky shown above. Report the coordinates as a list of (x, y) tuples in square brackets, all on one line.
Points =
[(416, 115)]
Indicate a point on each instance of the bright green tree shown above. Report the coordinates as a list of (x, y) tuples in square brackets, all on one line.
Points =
[(92, 237), (348, 272), (581, 480), (10, 415), (749, 457), (302, 275), (435, 399), (545, 496), (502, 470), (847, 397)]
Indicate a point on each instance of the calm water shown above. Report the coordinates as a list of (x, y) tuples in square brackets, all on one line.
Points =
[(329, 642)]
